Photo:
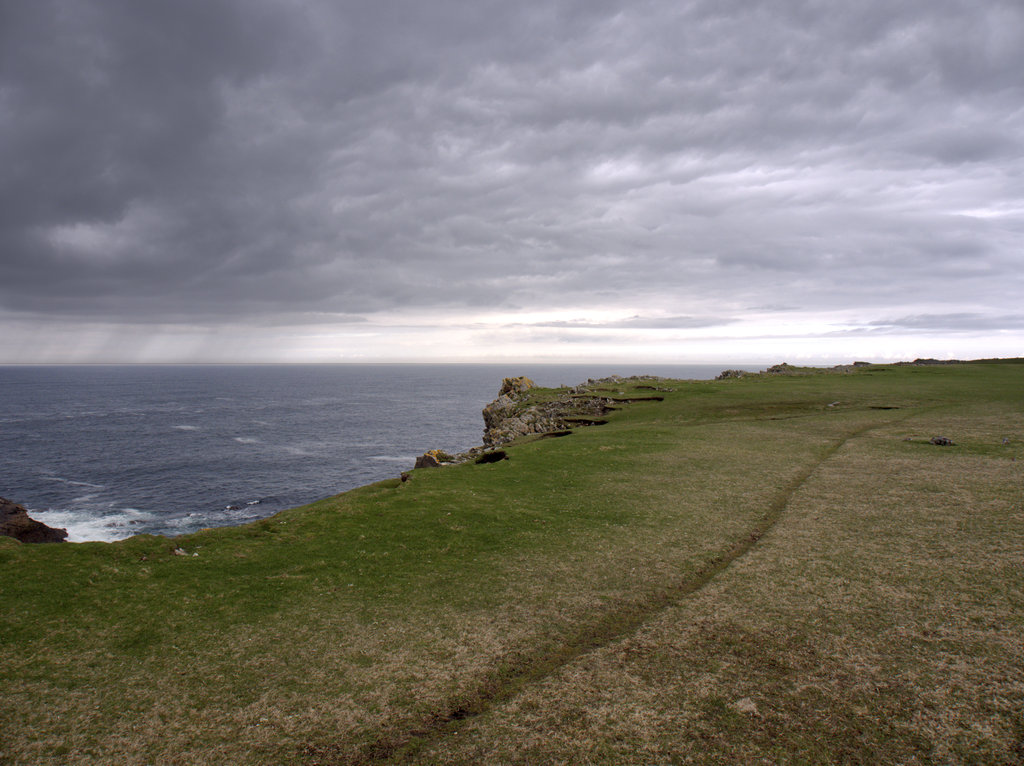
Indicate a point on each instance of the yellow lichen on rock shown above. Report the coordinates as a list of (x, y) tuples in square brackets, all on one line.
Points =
[(433, 458), (512, 386)]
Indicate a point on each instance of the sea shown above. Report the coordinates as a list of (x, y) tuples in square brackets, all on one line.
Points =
[(111, 451)]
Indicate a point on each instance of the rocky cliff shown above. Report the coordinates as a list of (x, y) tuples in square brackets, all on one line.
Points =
[(512, 415), (15, 522)]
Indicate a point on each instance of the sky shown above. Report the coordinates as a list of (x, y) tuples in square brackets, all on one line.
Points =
[(566, 181)]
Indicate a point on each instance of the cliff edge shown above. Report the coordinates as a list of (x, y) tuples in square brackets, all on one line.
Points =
[(15, 522)]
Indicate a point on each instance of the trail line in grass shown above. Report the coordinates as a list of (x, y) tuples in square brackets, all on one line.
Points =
[(529, 666)]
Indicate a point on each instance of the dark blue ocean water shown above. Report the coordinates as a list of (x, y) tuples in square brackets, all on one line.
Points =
[(112, 451)]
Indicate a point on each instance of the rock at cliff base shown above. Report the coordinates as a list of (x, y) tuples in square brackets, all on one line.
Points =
[(426, 460), (15, 522), (433, 458)]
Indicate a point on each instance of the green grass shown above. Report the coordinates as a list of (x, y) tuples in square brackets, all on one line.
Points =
[(734, 574)]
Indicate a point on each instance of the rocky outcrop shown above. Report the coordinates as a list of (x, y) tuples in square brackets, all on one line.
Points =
[(506, 423), (510, 416), (516, 386), (506, 416), (501, 410), (426, 460), (433, 458), (15, 522)]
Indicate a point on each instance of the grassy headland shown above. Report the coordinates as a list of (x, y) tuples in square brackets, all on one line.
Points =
[(763, 569)]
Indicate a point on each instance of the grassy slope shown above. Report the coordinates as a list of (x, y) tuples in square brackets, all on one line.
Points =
[(739, 572)]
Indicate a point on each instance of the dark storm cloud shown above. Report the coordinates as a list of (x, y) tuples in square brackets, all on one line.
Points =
[(200, 159)]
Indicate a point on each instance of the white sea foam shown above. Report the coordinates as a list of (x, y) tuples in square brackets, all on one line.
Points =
[(247, 440), (73, 483), (186, 428), (189, 521), (83, 528)]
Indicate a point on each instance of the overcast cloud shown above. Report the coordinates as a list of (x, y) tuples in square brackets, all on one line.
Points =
[(257, 180)]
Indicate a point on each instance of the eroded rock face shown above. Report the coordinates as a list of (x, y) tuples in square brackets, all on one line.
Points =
[(538, 419), (501, 409), (507, 417), (15, 522)]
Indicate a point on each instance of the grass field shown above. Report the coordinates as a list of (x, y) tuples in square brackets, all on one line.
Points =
[(770, 569)]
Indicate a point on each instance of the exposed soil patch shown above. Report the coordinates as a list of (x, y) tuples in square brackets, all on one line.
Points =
[(492, 457), (554, 434), (633, 399)]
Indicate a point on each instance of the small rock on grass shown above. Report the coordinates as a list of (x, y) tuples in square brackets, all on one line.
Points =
[(745, 705)]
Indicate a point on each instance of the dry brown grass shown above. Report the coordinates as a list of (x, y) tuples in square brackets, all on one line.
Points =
[(880, 621)]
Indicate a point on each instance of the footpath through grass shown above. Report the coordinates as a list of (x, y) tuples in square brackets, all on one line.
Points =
[(774, 569)]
